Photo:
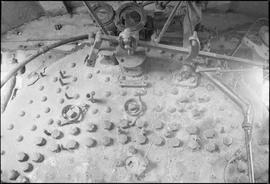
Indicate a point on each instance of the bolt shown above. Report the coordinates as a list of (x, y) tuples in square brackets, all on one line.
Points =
[(13, 174), (106, 141), (40, 141), (192, 130), (141, 139), (173, 126), (27, 167), (108, 109), (44, 98), (123, 139), (33, 128), (90, 142), (174, 142), (210, 133), (19, 138), (72, 65), (56, 134), (10, 127), (37, 157), (54, 147), (58, 90), (107, 125), (50, 122), (124, 123), (22, 113), (72, 144), (211, 147), (227, 141), (92, 127), (47, 110), (158, 125), (22, 157), (74, 131)]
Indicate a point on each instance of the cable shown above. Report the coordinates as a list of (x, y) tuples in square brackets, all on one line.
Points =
[(40, 52)]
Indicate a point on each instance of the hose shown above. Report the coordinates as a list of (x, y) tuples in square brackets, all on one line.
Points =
[(40, 52)]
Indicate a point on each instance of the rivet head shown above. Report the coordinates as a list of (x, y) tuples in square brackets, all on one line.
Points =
[(141, 124), (10, 127), (67, 87), (44, 98), (72, 65), (58, 90), (156, 140), (92, 127), (33, 128), (74, 131), (227, 141), (37, 157), (74, 79), (90, 142), (55, 79), (50, 121), (108, 109), (77, 96), (94, 111), (61, 100), (22, 113), (141, 139), (242, 166), (174, 126), (72, 144), (90, 76), (211, 147), (174, 142), (54, 147), (123, 139), (106, 141), (47, 110), (13, 174), (56, 134), (132, 150), (158, 125), (41, 88), (19, 138), (107, 79), (210, 133), (22, 157), (108, 93), (27, 167), (98, 71), (107, 125), (40, 141)]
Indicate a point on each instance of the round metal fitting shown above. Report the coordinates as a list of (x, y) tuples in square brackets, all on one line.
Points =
[(71, 112), (133, 107), (130, 15)]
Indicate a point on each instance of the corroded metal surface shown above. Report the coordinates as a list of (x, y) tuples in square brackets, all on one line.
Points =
[(182, 135)]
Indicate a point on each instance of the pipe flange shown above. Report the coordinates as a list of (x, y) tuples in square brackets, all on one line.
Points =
[(130, 15)]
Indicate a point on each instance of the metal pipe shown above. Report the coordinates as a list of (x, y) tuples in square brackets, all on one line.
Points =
[(92, 13), (246, 125), (167, 23)]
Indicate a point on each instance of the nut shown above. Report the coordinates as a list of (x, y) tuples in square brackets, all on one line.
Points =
[(241, 166), (22, 157)]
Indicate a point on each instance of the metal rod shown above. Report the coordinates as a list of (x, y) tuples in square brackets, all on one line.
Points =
[(167, 23), (93, 15), (245, 108)]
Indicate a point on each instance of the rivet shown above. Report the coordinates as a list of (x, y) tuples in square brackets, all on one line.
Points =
[(74, 79), (108, 93), (174, 142), (132, 150), (47, 110), (210, 133), (168, 133), (123, 93), (124, 123), (37, 157), (58, 122), (227, 141), (241, 166), (72, 144), (41, 88), (50, 122), (72, 65), (19, 138), (34, 127), (158, 125), (13, 174), (107, 79), (106, 141), (107, 125), (108, 109), (243, 178), (77, 96), (123, 139), (58, 90), (38, 116), (22, 113), (141, 124), (91, 127), (44, 98), (141, 139), (90, 142), (74, 131), (55, 79), (67, 87), (54, 147), (62, 100), (30, 101), (174, 126), (40, 141), (90, 75), (10, 127), (98, 71), (194, 145), (156, 140), (94, 111), (22, 157), (56, 134), (27, 167)]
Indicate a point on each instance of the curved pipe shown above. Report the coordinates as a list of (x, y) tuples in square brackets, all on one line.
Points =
[(40, 52)]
